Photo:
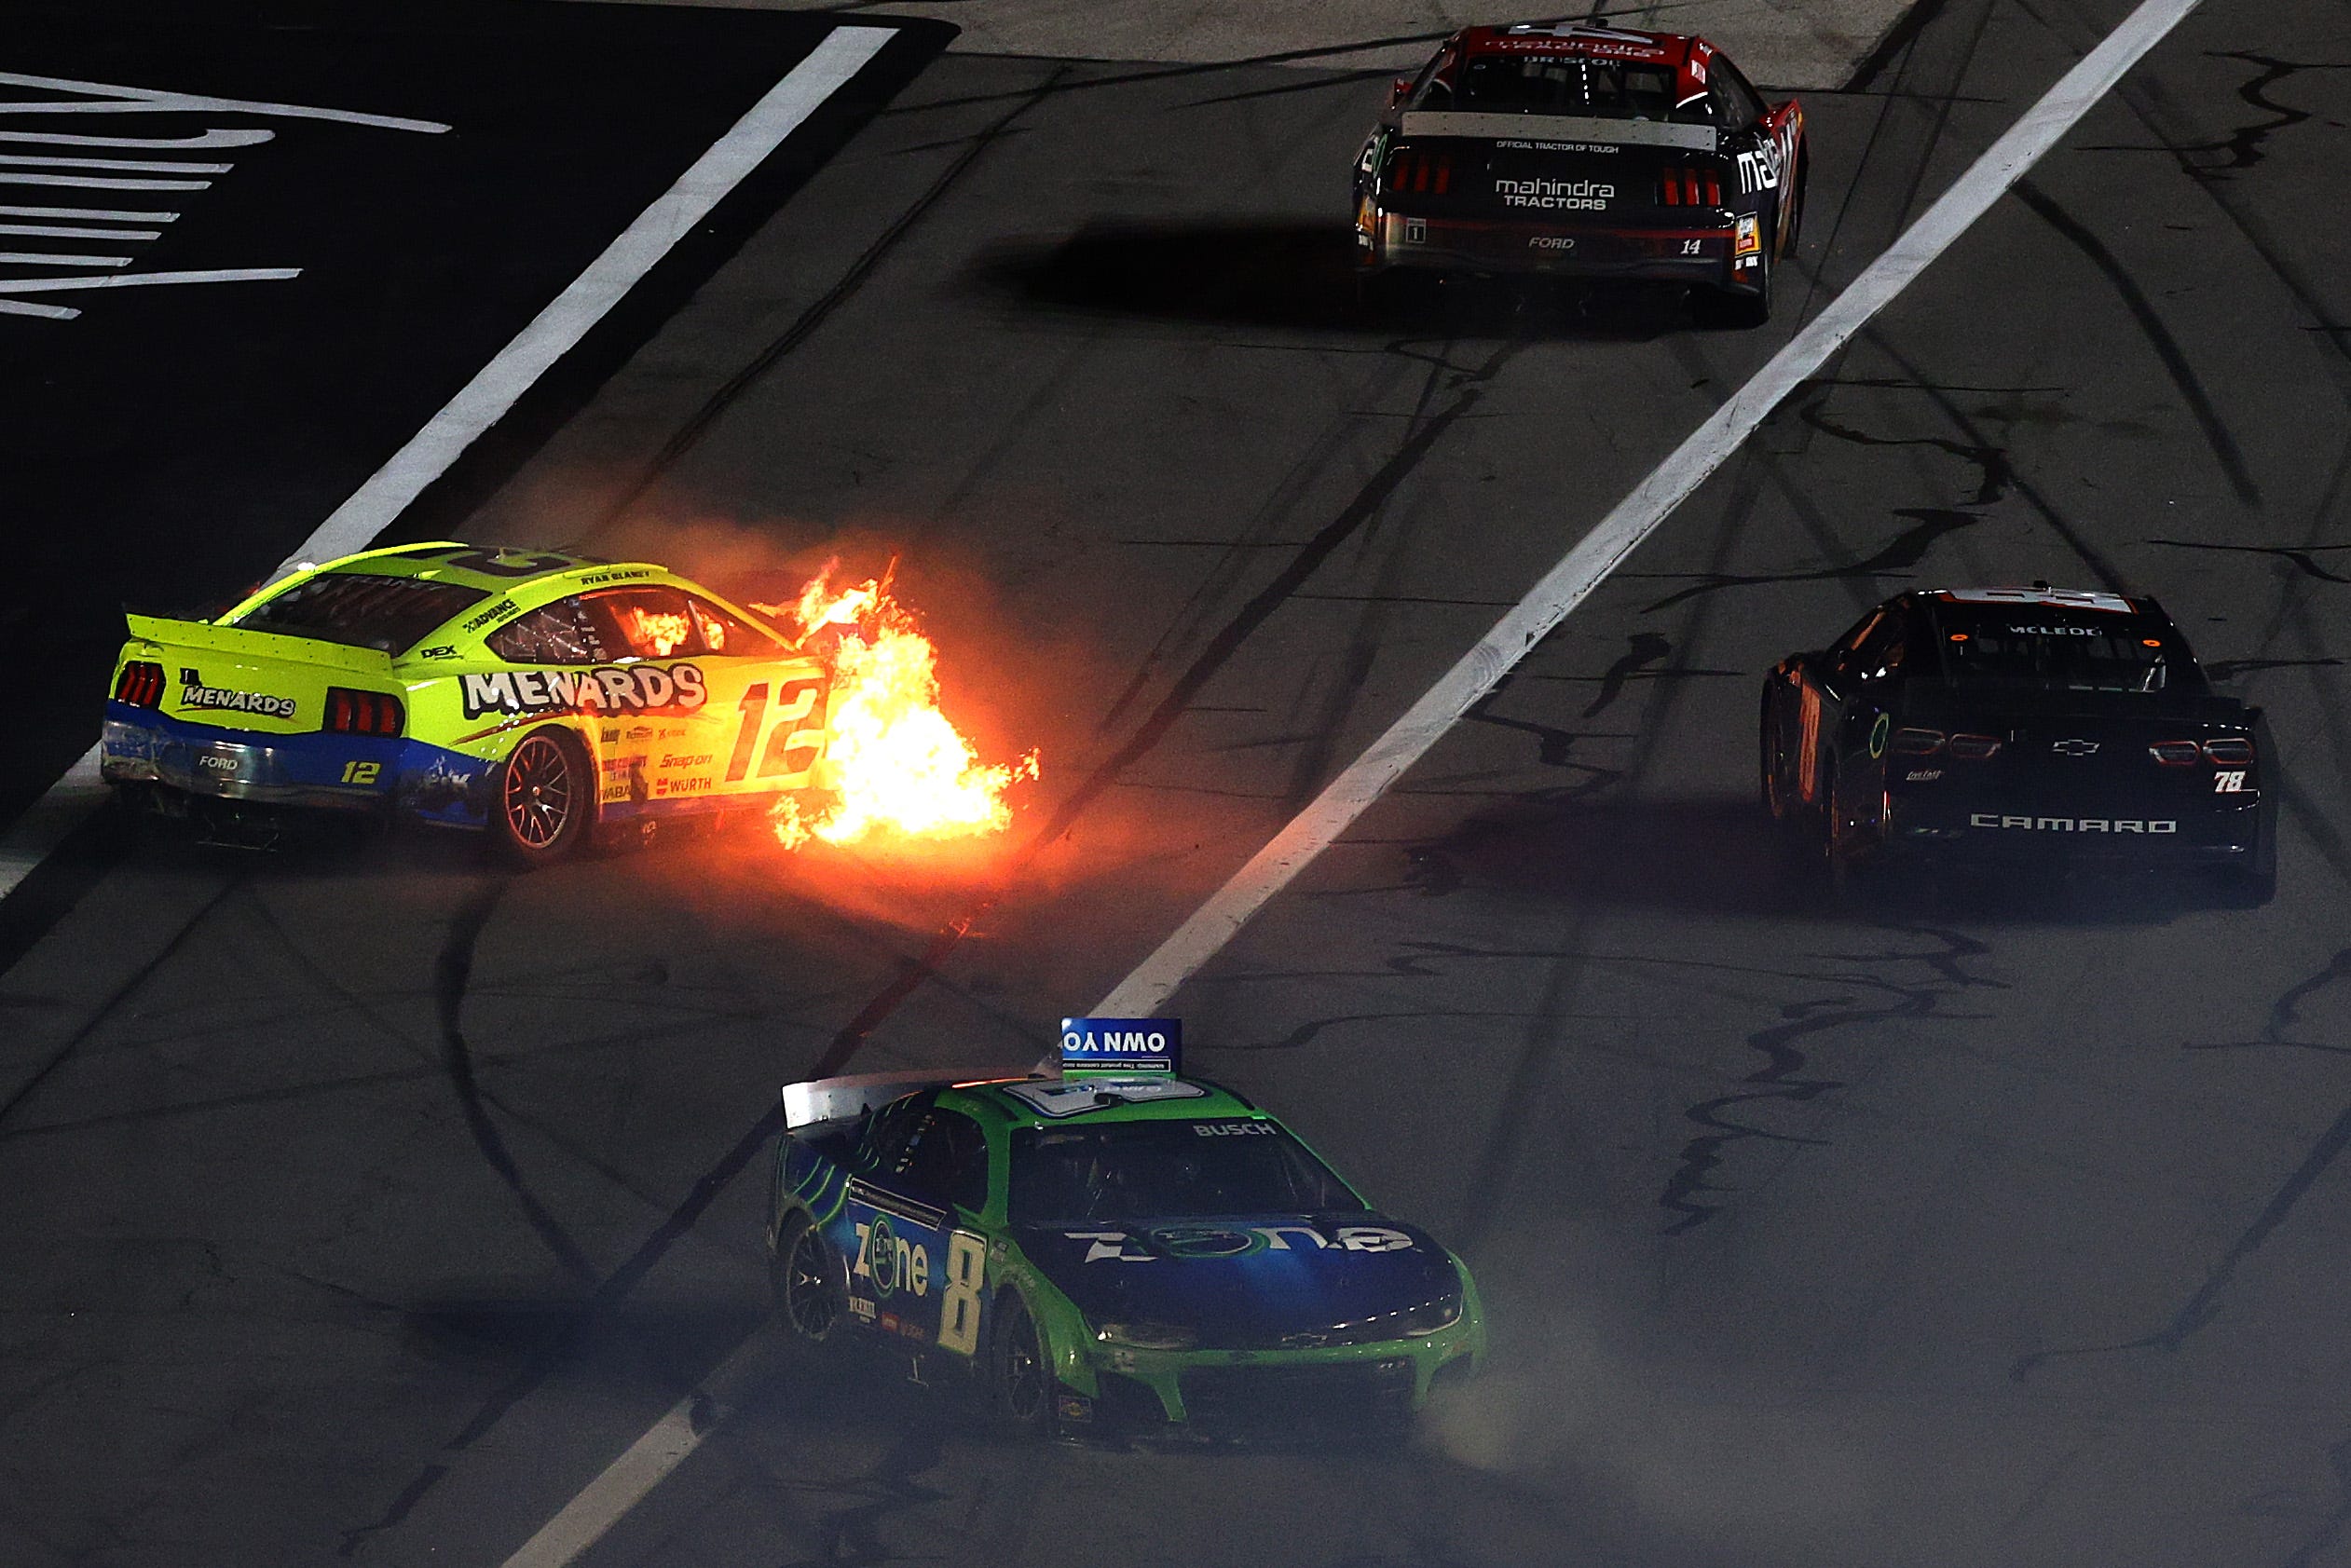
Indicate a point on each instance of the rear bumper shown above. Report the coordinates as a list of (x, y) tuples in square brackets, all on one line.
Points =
[(1696, 253), (2137, 836), (309, 771)]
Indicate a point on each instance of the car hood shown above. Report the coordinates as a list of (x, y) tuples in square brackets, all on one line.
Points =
[(1249, 1281)]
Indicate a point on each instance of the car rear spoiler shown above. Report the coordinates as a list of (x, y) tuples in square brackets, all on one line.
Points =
[(843, 1100), (1562, 127), (203, 636)]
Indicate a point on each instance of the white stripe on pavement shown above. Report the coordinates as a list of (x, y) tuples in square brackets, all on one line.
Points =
[(628, 1480), (35, 835)]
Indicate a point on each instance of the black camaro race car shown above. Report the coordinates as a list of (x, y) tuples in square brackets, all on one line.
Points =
[(1582, 151), (2028, 727)]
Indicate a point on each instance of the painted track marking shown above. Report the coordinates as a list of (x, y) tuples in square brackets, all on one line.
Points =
[(628, 1480), (35, 836)]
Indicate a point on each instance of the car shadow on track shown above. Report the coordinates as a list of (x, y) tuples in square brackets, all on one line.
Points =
[(1303, 276), (1723, 857)]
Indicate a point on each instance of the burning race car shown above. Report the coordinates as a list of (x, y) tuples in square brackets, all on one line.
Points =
[(1120, 1249), (1582, 151), (534, 695), (2031, 726)]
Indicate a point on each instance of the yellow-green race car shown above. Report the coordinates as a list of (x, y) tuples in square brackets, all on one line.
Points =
[(538, 696)]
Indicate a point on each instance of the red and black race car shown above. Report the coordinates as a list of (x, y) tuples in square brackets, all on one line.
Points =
[(1566, 148), (2035, 728)]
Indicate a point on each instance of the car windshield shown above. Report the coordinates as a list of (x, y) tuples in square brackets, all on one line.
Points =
[(1565, 85), (2054, 651), (1123, 1171), (359, 609)]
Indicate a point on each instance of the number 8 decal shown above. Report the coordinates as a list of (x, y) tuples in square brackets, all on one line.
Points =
[(959, 1307)]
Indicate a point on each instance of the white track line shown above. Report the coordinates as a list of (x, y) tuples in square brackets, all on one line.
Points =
[(842, 53), (607, 1499)]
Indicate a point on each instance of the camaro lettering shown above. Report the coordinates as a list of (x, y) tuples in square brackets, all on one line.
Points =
[(194, 693), (637, 688), (1555, 195), (2070, 825)]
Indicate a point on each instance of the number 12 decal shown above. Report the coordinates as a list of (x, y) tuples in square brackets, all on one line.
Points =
[(794, 741)]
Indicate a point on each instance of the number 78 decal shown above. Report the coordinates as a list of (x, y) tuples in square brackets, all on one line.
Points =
[(2228, 781), (795, 734)]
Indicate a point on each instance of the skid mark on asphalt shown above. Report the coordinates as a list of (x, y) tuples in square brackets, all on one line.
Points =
[(2167, 349), (2299, 554), (1895, 558), (453, 972), (2201, 1308), (1783, 1077), (2248, 144)]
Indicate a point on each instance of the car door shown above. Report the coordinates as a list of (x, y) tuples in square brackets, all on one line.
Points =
[(772, 723), (913, 1208)]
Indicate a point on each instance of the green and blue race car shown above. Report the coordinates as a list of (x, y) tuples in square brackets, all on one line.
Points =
[(1127, 1251), (539, 696)]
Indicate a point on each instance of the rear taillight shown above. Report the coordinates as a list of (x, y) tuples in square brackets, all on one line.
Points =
[(362, 713), (1973, 748), (1690, 187), (140, 685), (1916, 743), (1414, 172), (2232, 751), (2177, 754)]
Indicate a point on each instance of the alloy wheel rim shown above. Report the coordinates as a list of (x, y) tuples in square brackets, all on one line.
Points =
[(805, 1295), (538, 792)]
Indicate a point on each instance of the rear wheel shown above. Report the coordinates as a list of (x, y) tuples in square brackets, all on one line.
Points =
[(1774, 767), (807, 1285), (546, 799), (1022, 1368), (1737, 312)]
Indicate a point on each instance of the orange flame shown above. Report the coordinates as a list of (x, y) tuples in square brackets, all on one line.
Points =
[(655, 633), (897, 763)]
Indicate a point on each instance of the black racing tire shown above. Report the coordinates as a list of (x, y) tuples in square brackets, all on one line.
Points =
[(1020, 1369), (1724, 310), (806, 1278), (546, 801), (1773, 768), (1795, 207)]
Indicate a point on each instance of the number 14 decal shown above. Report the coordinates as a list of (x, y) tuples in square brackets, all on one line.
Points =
[(797, 736)]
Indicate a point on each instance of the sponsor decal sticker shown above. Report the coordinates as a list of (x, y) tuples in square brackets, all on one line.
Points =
[(1129, 1045), (610, 688), (490, 617), (1556, 195), (2070, 825), (194, 693), (1749, 237)]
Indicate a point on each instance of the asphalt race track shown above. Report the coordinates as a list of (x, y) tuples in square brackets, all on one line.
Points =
[(363, 1204)]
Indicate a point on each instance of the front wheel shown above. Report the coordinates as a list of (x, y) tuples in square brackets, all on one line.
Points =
[(1022, 1370), (546, 799)]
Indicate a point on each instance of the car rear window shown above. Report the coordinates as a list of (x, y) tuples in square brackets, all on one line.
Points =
[(360, 611), (2051, 651), (1567, 85), (1169, 1171)]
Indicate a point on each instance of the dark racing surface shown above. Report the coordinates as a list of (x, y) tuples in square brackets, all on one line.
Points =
[(365, 1204)]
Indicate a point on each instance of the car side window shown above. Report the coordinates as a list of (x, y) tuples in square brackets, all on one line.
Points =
[(886, 1139), (1737, 105), (730, 635), (568, 631), (944, 1160), (1842, 652), (1882, 647), (651, 622)]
